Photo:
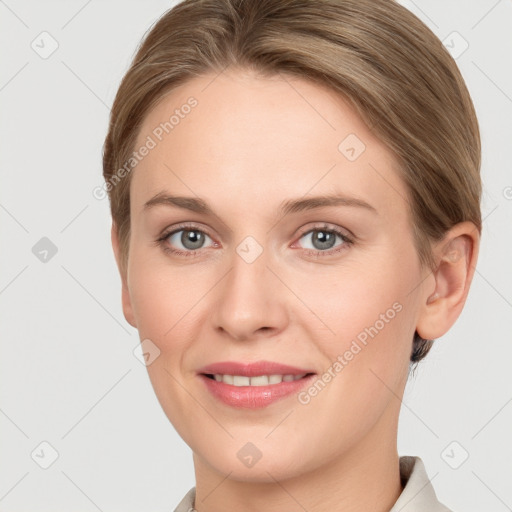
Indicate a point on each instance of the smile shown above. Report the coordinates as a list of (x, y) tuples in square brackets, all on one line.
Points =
[(258, 380)]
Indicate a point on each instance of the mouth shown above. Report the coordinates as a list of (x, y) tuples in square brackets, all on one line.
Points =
[(255, 381), (253, 385)]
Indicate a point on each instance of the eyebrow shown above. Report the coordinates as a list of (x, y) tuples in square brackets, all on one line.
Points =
[(287, 207)]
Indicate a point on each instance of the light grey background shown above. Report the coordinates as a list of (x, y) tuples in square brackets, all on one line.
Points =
[(69, 374)]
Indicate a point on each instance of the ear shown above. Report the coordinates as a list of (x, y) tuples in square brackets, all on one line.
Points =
[(125, 293), (457, 255)]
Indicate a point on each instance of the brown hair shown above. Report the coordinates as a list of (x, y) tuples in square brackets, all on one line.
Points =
[(377, 54)]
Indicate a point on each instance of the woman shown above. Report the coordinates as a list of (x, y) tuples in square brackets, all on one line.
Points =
[(295, 194)]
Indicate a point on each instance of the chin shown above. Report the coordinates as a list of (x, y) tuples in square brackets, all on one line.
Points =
[(245, 462)]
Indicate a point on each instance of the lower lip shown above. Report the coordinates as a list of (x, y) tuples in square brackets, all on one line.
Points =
[(253, 397)]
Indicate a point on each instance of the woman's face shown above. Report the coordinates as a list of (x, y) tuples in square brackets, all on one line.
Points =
[(330, 289)]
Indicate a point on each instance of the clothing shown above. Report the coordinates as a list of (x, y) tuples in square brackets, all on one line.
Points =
[(418, 494)]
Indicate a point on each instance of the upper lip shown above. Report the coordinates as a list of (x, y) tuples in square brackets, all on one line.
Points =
[(252, 369)]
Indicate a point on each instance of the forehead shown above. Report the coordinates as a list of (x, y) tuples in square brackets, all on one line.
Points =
[(237, 136)]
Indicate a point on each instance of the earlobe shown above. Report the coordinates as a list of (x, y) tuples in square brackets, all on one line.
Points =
[(457, 255), (125, 292)]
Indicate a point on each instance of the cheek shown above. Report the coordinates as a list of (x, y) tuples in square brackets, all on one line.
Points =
[(167, 303), (163, 297), (367, 357), (163, 304), (365, 320), (361, 303)]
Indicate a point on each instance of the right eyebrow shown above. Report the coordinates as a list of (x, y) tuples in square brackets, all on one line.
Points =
[(187, 203)]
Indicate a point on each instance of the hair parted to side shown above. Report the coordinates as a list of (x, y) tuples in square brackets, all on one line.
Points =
[(377, 54)]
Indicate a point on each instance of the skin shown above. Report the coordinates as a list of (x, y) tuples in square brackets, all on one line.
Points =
[(248, 145)]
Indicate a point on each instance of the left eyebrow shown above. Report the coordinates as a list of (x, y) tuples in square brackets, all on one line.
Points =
[(310, 203), (289, 206)]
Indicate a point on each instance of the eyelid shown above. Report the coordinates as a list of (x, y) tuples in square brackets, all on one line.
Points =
[(184, 226), (327, 227)]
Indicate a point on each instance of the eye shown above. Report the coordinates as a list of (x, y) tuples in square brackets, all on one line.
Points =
[(323, 240), (187, 240), (183, 240)]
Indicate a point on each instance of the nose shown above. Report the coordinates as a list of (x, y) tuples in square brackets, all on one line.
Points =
[(251, 301)]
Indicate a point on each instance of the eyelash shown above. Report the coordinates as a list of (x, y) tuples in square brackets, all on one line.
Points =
[(162, 240)]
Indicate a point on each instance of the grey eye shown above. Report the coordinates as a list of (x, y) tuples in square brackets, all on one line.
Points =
[(190, 239), (321, 239)]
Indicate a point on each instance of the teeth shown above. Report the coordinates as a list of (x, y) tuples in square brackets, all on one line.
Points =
[(238, 380), (259, 380), (275, 379)]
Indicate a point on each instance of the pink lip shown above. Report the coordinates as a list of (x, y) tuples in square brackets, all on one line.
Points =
[(253, 397), (252, 369)]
